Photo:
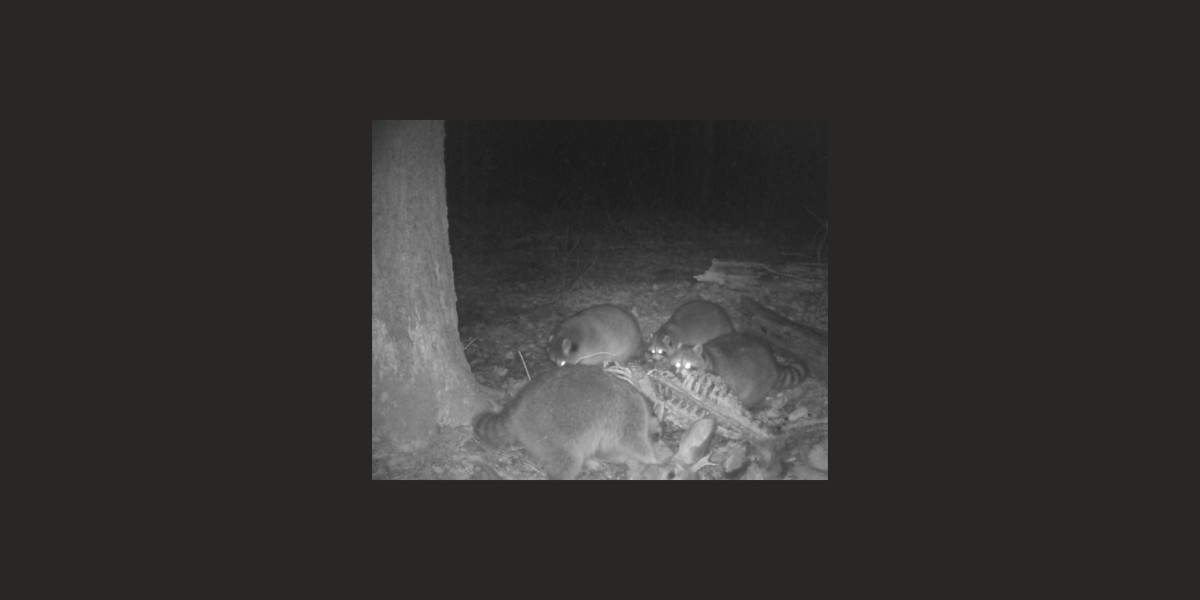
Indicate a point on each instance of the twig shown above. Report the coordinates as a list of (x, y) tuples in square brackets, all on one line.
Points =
[(806, 423), (818, 217), (524, 365), (469, 344), (591, 355), (534, 467), (769, 270), (573, 283), (585, 272)]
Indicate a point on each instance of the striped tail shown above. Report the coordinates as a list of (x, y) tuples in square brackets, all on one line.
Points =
[(790, 376), (492, 430)]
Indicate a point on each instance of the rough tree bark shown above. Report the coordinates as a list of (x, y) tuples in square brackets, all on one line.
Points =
[(420, 376)]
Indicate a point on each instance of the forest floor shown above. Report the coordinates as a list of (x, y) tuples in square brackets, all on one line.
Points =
[(513, 289)]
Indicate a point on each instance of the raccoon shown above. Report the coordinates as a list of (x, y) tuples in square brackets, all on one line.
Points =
[(566, 416), (693, 323), (595, 335), (744, 362)]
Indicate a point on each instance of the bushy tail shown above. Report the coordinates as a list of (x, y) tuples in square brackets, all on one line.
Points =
[(791, 376), (492, 429)]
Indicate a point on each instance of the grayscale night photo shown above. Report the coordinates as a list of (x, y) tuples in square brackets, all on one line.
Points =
[(597, 300)]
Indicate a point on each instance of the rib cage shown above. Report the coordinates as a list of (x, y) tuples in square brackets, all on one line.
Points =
[(698, 395)]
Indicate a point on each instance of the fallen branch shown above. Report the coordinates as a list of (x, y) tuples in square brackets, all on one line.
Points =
[(748, 275)]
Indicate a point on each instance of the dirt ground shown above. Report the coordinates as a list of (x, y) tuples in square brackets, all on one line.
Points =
[(514, 288)]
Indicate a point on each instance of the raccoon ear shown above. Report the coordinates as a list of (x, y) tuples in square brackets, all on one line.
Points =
[(566, 346), (698, 348), (666, 340)]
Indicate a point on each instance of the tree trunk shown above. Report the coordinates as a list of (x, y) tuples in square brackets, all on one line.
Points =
[(420, 376)]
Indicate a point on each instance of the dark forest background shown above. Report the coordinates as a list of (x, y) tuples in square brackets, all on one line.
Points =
[(764, 175)]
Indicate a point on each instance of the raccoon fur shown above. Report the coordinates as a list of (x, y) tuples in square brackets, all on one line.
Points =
[(745, 363), (566, 416), (595, 335), (692, 323)]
